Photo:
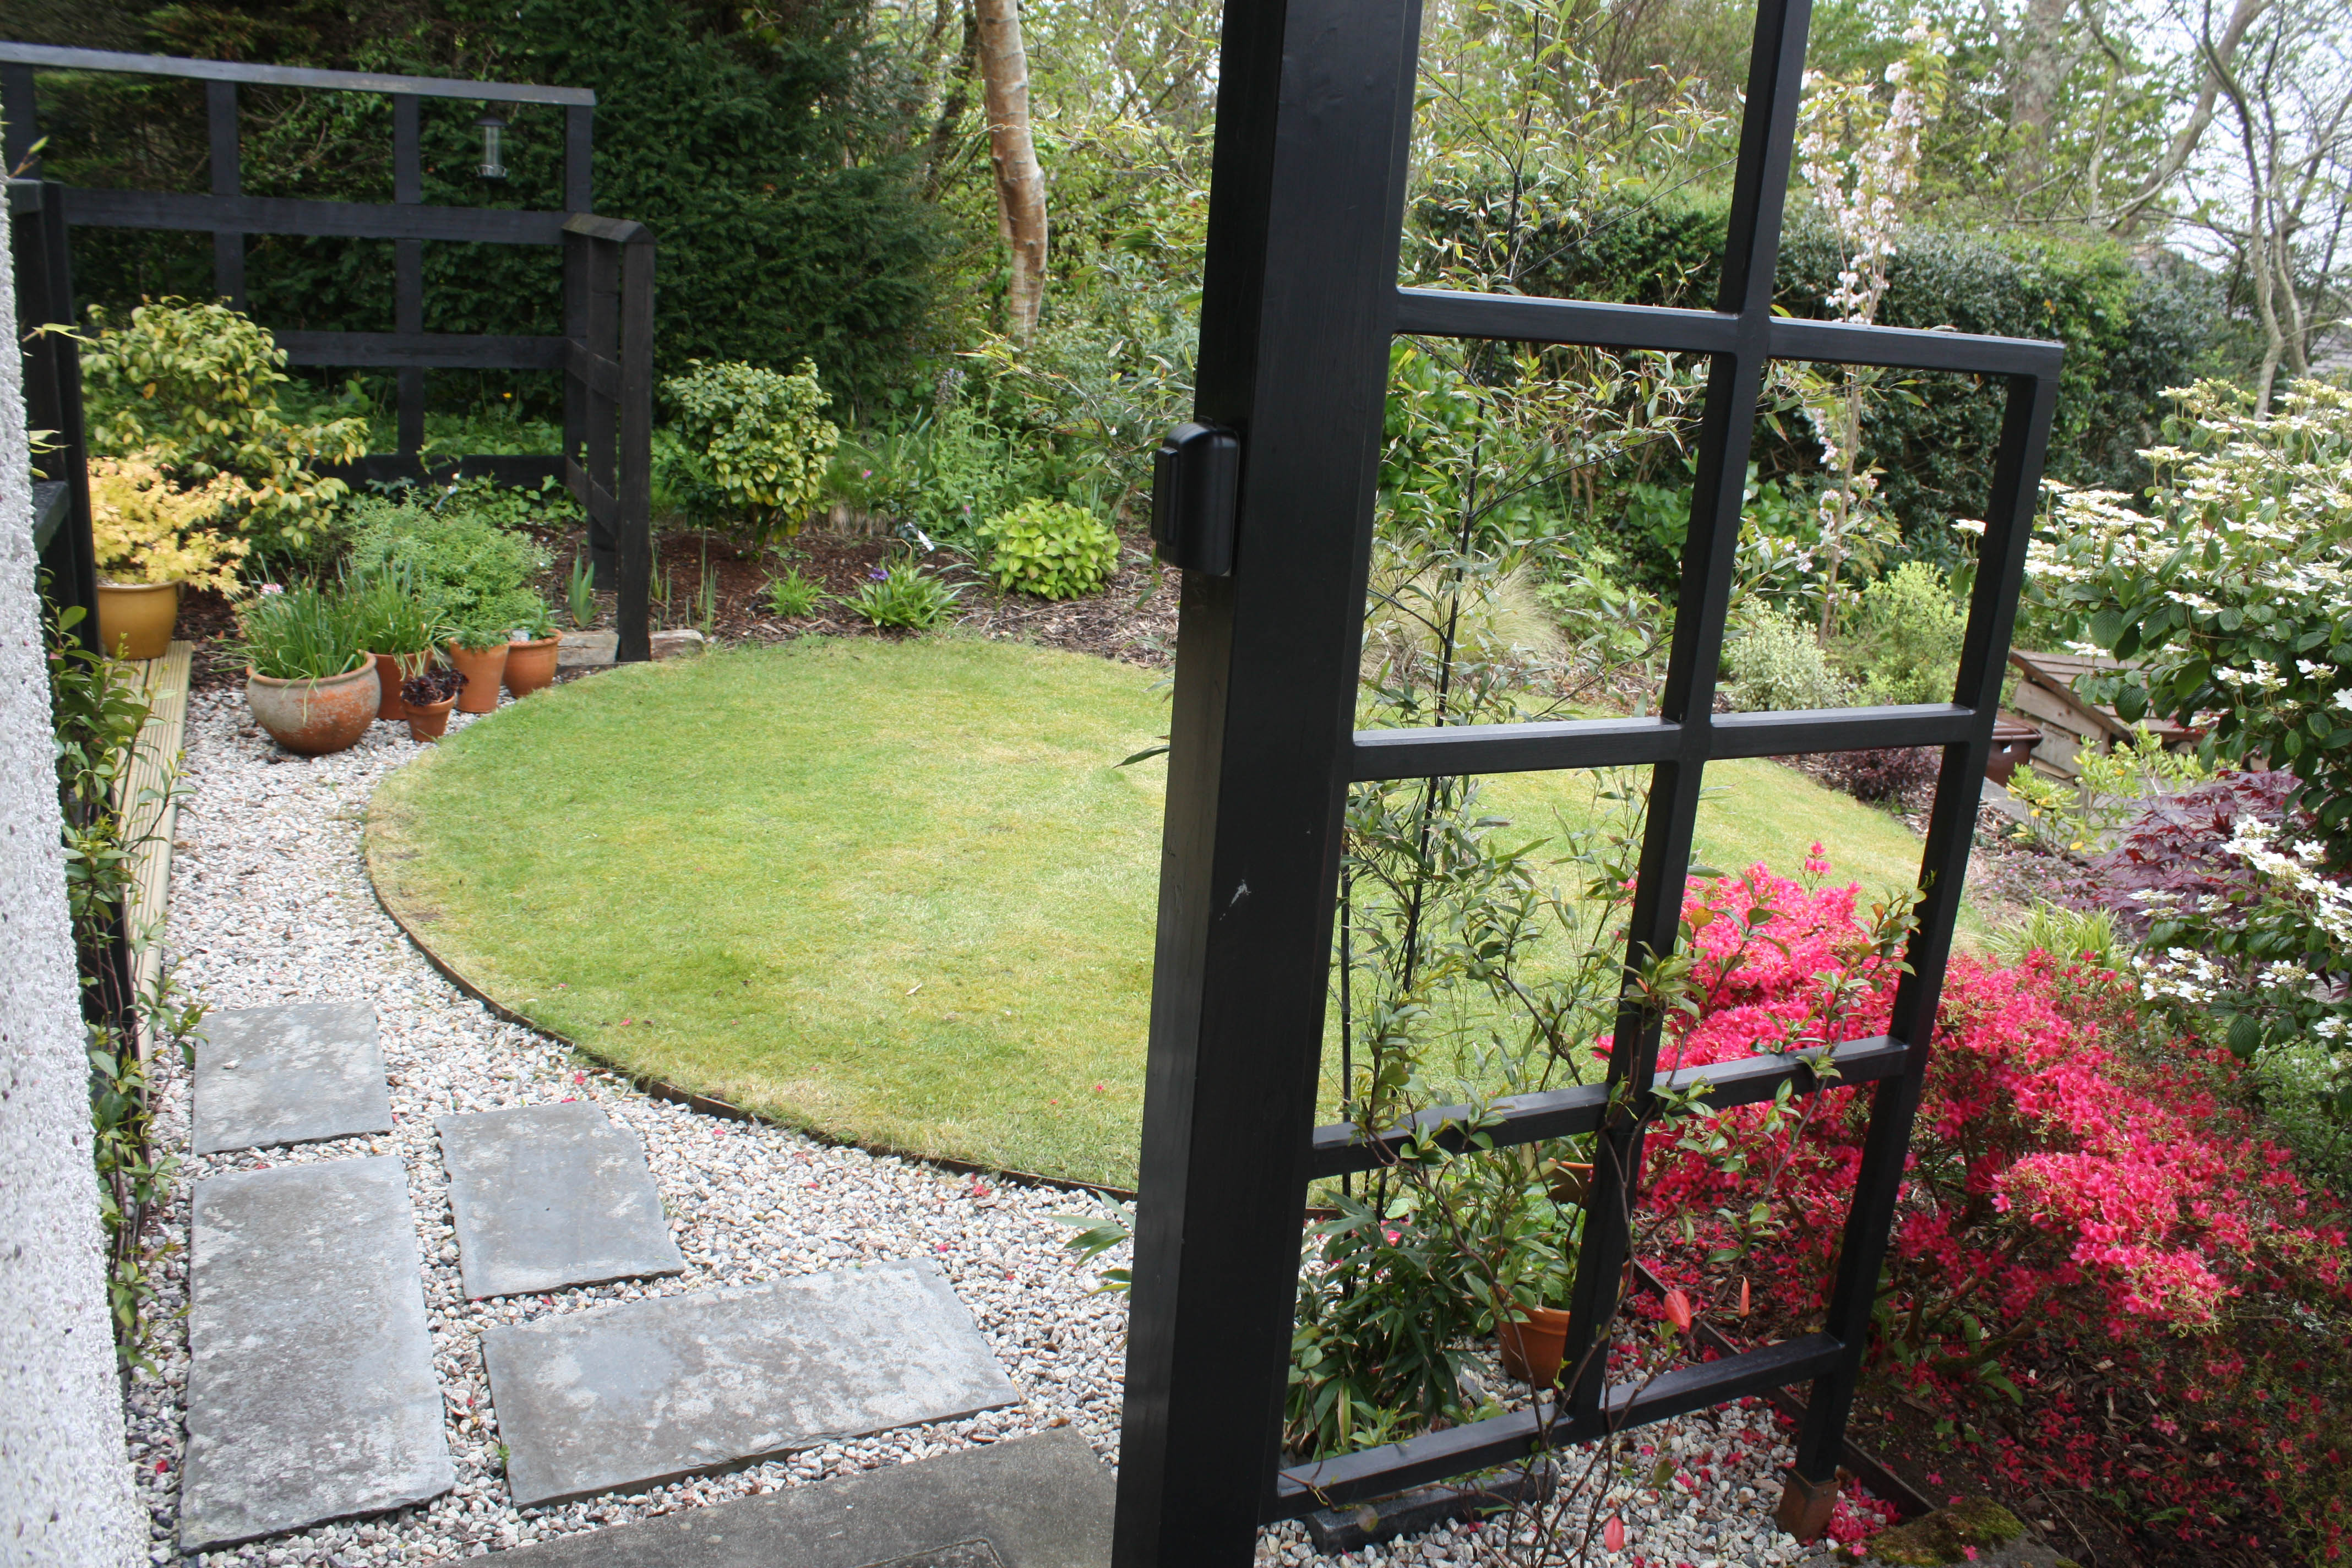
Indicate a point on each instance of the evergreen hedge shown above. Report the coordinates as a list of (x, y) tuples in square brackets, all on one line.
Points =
[(2133, 326)]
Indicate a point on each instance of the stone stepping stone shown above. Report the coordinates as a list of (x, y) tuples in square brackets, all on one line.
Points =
[(622, 1398), (311, 1388), (296, 1074), (550, 1195), (1033, 1502)]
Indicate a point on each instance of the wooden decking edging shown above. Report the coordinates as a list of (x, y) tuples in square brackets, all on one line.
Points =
[(154, 767)]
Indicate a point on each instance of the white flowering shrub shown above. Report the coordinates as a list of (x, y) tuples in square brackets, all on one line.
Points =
[(2233, 589)]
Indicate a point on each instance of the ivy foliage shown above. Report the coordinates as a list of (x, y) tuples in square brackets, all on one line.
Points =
[(757, 440), (1050, 548)]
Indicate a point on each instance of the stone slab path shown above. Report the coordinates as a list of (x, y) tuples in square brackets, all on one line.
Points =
[(546, 1196), (1033, 1502), (626, 1397), (299, 1074), (310, 1388)]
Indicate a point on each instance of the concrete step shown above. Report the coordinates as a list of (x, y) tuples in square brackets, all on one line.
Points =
[(311, 1388), (550, 1195), (296, 1074), (1033, 1502), (622, 1398)]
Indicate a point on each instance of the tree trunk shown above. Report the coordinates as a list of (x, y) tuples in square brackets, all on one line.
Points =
[(2217, 54), (2044, 58), (1020, 182), (952, 103)]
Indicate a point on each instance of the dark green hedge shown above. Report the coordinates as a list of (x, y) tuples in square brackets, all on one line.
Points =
[(781, 233), (2132, 327)]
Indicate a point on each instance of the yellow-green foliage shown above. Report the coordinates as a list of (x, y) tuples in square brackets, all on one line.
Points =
[(193, 389), (1050, 548), (759, 438), (144, 529)]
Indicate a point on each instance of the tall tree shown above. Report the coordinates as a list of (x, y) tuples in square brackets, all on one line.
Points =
[(1012, 155)]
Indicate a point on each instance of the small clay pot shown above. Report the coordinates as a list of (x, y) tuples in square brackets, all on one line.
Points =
[(1533, 1343), (135, 619), (2013, 741), (430, 722), (392, 669), (316, 718), (483, 669), (531, 665), (1570, 1181)]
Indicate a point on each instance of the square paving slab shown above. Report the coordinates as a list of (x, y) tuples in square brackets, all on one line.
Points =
[(310, 1386), (1033, 1502), (289, 1074), (550, 1196), (622, 1398)]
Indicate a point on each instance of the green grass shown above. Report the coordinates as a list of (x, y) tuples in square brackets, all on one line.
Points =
[(895, 892)]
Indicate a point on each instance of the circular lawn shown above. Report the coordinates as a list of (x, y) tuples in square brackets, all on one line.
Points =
[(894, 892)]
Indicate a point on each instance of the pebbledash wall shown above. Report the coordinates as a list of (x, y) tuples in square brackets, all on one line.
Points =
[(64, 1480)]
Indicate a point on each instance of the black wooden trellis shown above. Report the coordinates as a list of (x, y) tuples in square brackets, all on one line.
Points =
[(605, 350), (1301, 302)]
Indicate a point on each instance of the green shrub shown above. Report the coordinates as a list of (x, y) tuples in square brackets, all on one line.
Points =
[(1776, 664), (757, 438), (1050, 548), (1903, 641), (193, 389), (903, 595), (467, 573)]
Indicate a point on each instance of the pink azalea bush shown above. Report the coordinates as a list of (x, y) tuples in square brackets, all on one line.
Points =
[(2092, 1221)]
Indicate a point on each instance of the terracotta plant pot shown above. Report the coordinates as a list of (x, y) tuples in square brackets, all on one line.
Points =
[(483, 668), (316, 717), (392, 669), (135, 619), (430, 722), (1570, 1181), (531, 665), (1533, 1345), (2013, 741)]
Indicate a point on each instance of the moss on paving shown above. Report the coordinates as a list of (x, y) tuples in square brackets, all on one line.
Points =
[(1948, 1535), (893, 891)]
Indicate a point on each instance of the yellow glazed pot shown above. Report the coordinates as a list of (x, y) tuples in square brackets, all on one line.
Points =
[(135, 619)]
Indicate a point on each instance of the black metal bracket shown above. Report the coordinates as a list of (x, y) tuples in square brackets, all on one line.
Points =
[(1196, 478)]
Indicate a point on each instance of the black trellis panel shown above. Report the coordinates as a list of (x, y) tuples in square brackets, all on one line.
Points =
[(1299, 306), (605, 350)]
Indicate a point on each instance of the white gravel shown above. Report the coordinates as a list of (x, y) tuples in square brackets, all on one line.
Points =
[(270, 903)]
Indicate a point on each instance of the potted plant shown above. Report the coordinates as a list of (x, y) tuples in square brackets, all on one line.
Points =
[(479, 652), (427, 696), (147, 539), (308, 679), (399, 633), (1523, 1241), (530, 656)]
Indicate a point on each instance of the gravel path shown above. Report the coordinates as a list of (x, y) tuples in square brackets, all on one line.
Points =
[(270, 903)]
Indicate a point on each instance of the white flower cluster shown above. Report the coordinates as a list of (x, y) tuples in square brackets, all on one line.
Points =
[(2294, 874)]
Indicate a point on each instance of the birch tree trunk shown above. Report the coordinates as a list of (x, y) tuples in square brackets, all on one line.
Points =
[(1013, 153)]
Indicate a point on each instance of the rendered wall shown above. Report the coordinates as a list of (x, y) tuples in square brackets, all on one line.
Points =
[(65, 1482)]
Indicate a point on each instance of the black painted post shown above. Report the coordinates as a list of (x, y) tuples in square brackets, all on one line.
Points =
[(408, 266), (1298, 302), (19, 109), (632, 469), (44, 264), (603, 432), (228, 245)]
